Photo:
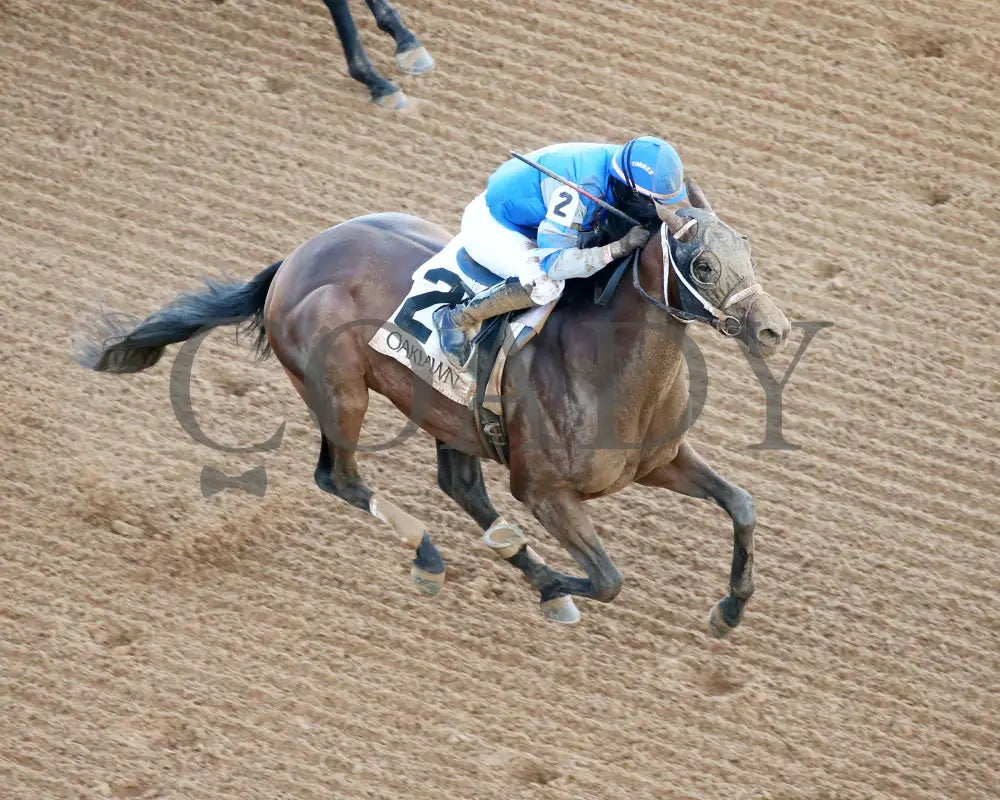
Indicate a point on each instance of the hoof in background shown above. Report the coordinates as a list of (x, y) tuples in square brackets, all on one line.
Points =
[(560, 609), (397, 101), (415, 62)]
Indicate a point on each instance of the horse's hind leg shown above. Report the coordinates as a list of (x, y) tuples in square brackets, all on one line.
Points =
[(338, 395), (690, 474), (339, 476), (337, 473), (460, 476)]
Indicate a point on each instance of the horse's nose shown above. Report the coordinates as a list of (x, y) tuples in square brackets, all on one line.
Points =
[(770, 337), (767, 327)]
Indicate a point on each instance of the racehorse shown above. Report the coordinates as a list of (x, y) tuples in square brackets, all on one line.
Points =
[(411, 56), (593, 369)]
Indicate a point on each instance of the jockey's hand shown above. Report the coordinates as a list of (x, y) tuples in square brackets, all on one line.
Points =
[(633, 240), (573, 262)]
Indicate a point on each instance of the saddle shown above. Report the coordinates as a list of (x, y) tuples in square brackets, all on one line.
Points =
[(475, 271)]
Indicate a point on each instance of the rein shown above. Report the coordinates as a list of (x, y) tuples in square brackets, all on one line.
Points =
[(724, 323)]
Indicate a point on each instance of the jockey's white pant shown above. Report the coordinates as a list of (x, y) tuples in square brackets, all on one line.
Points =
[(507, 253)]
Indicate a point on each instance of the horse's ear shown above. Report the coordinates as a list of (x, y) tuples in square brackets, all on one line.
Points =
[(674, 222), (696, 196)]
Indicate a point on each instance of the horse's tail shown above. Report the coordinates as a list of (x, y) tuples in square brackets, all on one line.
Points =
[(122, 343)]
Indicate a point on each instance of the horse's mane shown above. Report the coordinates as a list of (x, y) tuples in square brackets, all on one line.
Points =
[(582, 292)]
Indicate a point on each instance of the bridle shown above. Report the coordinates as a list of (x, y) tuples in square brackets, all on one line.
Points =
[(724, 323)]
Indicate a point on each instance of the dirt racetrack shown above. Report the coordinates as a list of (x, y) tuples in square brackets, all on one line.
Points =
[(158, 644)]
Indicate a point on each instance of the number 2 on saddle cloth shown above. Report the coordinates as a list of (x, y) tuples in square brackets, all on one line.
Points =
[(457, 292)]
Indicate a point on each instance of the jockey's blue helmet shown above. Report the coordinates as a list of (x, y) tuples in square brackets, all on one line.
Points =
[(650, 167)]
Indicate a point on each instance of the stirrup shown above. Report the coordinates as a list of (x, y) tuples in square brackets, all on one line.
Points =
[(455, 341)]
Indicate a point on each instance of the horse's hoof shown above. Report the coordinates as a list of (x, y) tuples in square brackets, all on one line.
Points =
[(505, 539), (429, 583), (560, 609), (717, 625), (415, 62), (397, 101)]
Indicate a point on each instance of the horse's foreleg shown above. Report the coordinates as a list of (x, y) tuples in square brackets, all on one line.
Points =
[(460, 476), (691, 475), (563, 516), (359, 66), (411, 56)]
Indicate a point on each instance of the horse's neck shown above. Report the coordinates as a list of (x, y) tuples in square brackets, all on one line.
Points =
[(631, 305), (653, 338)]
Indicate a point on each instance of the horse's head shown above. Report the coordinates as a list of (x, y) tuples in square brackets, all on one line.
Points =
[(712, 271)]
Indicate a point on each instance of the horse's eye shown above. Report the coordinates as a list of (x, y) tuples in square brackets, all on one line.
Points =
[(705, 269)]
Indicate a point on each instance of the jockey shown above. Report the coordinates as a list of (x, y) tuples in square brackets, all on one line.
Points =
[(534, 231)]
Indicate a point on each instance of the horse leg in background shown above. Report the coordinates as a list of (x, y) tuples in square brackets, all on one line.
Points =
[(460, 476), (411, 56), (359, 66), (689, 474)]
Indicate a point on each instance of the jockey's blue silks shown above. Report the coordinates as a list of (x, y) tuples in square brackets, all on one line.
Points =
[(645, 171), (602, 203), (541, 221)]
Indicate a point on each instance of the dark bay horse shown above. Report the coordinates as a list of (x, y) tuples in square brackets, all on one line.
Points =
[(411, 56), (613, 371)]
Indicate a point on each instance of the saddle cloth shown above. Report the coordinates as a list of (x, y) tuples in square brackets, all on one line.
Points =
[(409, 336)]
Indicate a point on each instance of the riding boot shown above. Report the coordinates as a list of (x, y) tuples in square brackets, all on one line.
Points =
[(457, 325)]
